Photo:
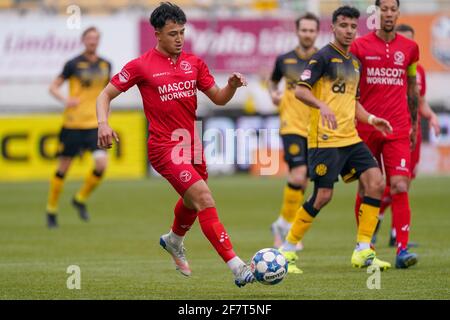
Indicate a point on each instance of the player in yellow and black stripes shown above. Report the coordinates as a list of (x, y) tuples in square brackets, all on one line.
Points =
[(294, 119), (87, 75), (329, 85)]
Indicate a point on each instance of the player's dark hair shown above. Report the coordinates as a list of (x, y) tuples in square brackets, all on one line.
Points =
[(90, 29), (378, 2), (404, 28), (346, 11), (167, 12), (307, 16)]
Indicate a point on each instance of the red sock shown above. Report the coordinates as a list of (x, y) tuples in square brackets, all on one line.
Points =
[(386, 200), (216, 233), (357, 206), (184, 218), (402, 218)]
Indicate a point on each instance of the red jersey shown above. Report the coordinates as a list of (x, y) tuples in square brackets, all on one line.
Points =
[(383, 83), (169, 94)]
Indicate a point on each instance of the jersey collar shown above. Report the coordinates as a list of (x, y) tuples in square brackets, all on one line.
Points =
[(302, 56), (342, 53), (382, 40), (162, 55)]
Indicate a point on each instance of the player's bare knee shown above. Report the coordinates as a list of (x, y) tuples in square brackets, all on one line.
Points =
[(298, 181), (376, 188), (204, 200), (101, 160), (323, 198), (399, 187)]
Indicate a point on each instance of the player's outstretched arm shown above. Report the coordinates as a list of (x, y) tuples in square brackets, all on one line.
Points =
[(106, 135), (221, 96), (379, 123), (426, 112), (305, 95)]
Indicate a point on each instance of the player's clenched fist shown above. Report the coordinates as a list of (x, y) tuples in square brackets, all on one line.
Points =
[(106, 135), (237, 80)]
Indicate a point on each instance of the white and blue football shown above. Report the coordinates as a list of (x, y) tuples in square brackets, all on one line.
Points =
[(269, 266)]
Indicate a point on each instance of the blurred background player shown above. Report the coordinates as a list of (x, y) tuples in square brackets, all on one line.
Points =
[(389, 90), (329, 85), (294, 119), (87, 75), (168, 79), (424, 111)]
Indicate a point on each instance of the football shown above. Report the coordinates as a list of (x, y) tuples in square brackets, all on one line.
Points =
[(269, 266)]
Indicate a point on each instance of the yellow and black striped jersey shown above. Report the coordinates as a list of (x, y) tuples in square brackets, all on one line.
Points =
[(294, 114), (86, 80), (333, 76)]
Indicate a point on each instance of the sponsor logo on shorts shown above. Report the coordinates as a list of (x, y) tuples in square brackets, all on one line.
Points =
[(321, 169), (185, 176), (402, 166)]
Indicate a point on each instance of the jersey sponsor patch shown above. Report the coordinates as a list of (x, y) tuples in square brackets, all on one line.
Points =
[(185, 66), (399, 58), (290, 61), (373, 58), (306, 75), (294, 149), (124, 76)]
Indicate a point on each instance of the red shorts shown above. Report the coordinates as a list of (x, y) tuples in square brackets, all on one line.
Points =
[(180, 175), (393, 151), (415, 155)]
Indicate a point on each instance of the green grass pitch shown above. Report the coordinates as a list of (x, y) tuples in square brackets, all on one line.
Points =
[(120, 258)]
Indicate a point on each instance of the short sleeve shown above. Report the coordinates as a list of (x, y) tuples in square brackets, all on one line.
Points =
[(130, 75), (414, 54), (313, 71), (277, 73), (205, 80), (68, 70)]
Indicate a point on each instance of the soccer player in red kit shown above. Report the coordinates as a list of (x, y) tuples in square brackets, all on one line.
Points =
[(389, 90), (168, 79), (424, 111)]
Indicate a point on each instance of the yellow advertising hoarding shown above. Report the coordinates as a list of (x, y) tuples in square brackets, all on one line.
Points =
[(28, 145)]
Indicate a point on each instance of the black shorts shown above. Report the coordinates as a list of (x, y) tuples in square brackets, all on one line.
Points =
[(295, 150), (326, 164), (75, 141)]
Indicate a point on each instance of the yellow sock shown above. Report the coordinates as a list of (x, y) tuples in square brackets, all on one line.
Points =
[(368, 218), (89, 185), (56, 186), (301, 224), (292, 198)]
